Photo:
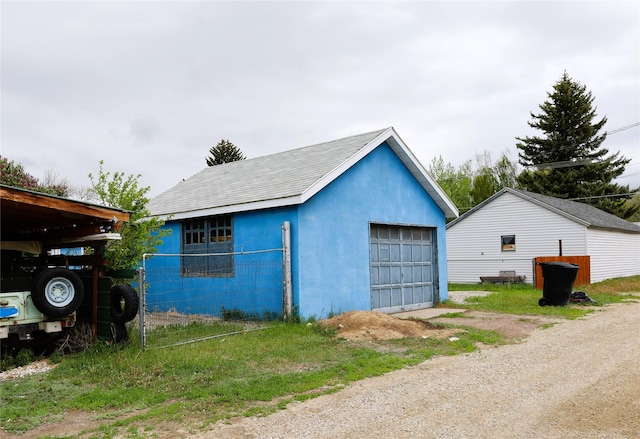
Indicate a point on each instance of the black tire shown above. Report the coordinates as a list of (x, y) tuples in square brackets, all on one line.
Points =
[(119, 332), (542, 302), (57, 292), (124, 303)]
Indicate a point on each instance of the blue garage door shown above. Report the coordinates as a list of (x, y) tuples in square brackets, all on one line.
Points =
[(402, 268)]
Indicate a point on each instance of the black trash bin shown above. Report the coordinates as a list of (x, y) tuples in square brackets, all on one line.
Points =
[(558, 278)]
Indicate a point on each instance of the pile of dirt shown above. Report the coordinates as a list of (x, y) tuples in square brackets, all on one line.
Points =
[(373, 325)]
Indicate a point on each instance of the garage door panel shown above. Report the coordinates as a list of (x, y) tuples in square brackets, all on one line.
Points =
[(396, 275), (374, 252), (396, 297), (375, 300), (427, 274), (407, 274), (401, 267), (417, 274), (428, 293), (385, 275), (394, 252), (416, 253), (375, 275), (407, 254), (384, 253), (418, 294), (427, 253), (408, 295)]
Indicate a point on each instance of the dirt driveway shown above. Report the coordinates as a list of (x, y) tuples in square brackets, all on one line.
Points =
[(575, 379)]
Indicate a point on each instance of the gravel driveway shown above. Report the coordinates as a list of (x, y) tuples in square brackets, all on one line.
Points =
[(577, 379)]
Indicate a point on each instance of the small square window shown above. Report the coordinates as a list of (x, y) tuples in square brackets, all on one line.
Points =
[(508, 243)]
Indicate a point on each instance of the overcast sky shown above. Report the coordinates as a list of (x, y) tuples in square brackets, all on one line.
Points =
[(149, 87)]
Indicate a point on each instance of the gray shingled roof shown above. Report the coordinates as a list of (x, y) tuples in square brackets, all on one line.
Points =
[(582, 213), (284, 178), (593, 216)]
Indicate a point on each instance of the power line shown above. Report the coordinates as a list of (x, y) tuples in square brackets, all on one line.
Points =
[(617, 130), (604, 196), (580, 162)]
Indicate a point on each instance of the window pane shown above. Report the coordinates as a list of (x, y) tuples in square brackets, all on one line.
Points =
[(208, 235), (508, 242)]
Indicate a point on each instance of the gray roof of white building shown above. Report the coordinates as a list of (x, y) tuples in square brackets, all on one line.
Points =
[(582, 213), (283, 179)]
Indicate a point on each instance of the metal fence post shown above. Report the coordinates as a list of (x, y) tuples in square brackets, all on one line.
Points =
[(142, 288), (287, 297)]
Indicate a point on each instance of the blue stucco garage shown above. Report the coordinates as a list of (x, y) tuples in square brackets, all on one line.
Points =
[(367, 227)]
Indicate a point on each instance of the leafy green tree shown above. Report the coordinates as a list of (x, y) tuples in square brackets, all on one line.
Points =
[(489, 177), (141, 234), (455, 183), (224, 152), (475, 180), (14, 174), (506, 172), (567, 160), (484, 185)]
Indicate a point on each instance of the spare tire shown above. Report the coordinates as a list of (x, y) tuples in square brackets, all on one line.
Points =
[(124, 303), (57, 292), (119, 332)]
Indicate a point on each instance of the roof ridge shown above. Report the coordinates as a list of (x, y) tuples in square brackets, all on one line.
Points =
[(288, 151)]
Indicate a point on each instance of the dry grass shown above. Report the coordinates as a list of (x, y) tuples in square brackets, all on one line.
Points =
[(620, 285)]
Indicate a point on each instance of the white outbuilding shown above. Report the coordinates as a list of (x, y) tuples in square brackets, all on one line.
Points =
[(504, 233)]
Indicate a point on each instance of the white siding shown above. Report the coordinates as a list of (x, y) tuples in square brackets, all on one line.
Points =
[(613, 254), (474, 246)]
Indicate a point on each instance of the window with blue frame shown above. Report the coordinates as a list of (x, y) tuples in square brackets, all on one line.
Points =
[(210, 241)]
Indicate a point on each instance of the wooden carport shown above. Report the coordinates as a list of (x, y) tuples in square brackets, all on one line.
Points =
[(42, 222)]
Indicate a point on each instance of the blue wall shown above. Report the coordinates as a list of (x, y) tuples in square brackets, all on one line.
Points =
[(255, 288), (330, 242), (334, 228)]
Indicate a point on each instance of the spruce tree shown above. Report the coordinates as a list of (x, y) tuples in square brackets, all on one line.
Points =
[(568, 160), (224, 152)]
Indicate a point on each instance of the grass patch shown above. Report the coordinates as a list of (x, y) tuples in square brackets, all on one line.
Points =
[(453, 315), (134, 393), (254, 373), (523, 298)]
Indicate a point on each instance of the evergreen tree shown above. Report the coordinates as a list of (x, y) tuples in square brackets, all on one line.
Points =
[(224, 152), (567, 160)]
